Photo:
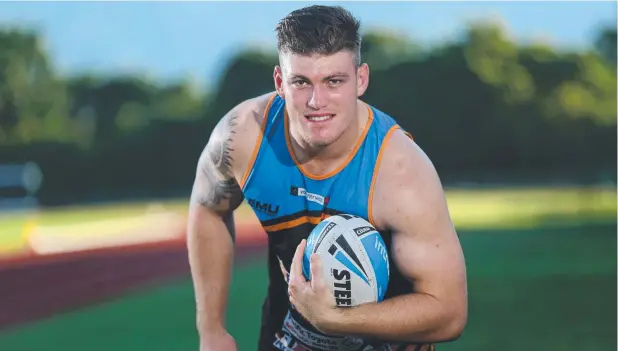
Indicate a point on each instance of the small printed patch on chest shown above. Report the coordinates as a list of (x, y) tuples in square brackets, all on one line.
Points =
[(302, 192)]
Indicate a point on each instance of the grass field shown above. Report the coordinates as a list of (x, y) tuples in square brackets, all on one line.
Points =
[(541, 276), (470, 209), (543, 288)]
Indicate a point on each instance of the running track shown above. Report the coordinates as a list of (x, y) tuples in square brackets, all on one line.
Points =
[(39, 287)]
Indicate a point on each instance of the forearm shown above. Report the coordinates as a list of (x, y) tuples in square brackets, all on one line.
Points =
[(417, 318), (211, 250)]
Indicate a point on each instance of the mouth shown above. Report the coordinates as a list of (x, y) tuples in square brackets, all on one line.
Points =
[(319, 118)]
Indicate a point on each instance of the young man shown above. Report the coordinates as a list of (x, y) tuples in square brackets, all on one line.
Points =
[(310, 150)]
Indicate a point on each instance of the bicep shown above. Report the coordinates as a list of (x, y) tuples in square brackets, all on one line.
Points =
[(215, 188), (425, 245), (431, 260)]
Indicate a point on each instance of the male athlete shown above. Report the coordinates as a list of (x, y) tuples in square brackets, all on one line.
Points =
[(309, 150)]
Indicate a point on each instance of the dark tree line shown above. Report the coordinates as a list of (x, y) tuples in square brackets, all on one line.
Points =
[(484, 108)]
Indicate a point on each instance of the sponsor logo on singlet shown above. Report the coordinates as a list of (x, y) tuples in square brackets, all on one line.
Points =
[(302, 192)]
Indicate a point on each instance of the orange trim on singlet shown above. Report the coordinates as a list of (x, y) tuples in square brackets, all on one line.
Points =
[(359, 142), (258, 142), (293, 223), (376, 167)]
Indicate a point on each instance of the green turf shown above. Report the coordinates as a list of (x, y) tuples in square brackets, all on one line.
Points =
[(538, 289), (543, 289), (470, 209)]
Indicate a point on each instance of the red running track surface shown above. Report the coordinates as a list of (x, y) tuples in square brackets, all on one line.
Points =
[(41, 287)]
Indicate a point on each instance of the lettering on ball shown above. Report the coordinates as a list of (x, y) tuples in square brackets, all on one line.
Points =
[(343, 287), (381, 249)]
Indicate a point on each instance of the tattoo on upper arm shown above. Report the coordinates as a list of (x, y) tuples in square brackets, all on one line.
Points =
[(221, 155), (220, 189)]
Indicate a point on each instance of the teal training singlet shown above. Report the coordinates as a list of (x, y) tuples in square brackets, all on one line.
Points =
[(289, 202)]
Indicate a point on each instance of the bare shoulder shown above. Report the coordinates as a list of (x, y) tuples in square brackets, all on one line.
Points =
[(236, 134), (249, 115), (407, 186), (248, 119), (227, 153)]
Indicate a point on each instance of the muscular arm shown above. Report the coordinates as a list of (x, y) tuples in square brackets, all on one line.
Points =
[(426, 250), (210, 235)]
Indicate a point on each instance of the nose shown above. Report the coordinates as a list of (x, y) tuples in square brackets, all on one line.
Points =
[(318, 98)]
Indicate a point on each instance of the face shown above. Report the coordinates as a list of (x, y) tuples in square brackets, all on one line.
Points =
[(321, 94)]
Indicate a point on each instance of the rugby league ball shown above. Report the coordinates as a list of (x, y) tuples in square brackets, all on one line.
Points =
[(354, 259)]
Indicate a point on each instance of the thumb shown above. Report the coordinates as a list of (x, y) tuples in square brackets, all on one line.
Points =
[(317, 273)]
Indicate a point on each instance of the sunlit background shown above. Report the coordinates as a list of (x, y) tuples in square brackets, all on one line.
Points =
[(105, 107)]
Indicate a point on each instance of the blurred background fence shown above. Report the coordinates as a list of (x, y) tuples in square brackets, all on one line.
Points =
[(523, 133)]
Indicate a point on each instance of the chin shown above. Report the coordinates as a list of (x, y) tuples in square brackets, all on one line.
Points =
[(320, 141), (319, 144)]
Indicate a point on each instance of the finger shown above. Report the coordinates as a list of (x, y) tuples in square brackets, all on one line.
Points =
[(286, 275), (317, 275), (296, 280), (297, 262)]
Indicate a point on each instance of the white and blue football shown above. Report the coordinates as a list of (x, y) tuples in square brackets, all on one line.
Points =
[(354, 259)]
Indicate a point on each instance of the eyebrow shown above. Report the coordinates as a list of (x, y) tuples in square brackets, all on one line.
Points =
[(331, 76)]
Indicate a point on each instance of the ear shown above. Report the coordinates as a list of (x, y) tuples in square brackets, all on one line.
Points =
[(278, 78), (362, 79)]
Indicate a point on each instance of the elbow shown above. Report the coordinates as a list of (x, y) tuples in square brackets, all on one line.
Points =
[(454, 327), (446, 328)]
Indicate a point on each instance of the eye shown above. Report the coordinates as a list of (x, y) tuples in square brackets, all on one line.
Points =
[(299, 83), (335, 81)]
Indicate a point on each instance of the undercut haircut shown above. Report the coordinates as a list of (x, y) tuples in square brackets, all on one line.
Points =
[(318, 29)]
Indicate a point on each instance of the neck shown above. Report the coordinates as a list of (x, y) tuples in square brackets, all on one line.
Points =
[(340, 148)]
